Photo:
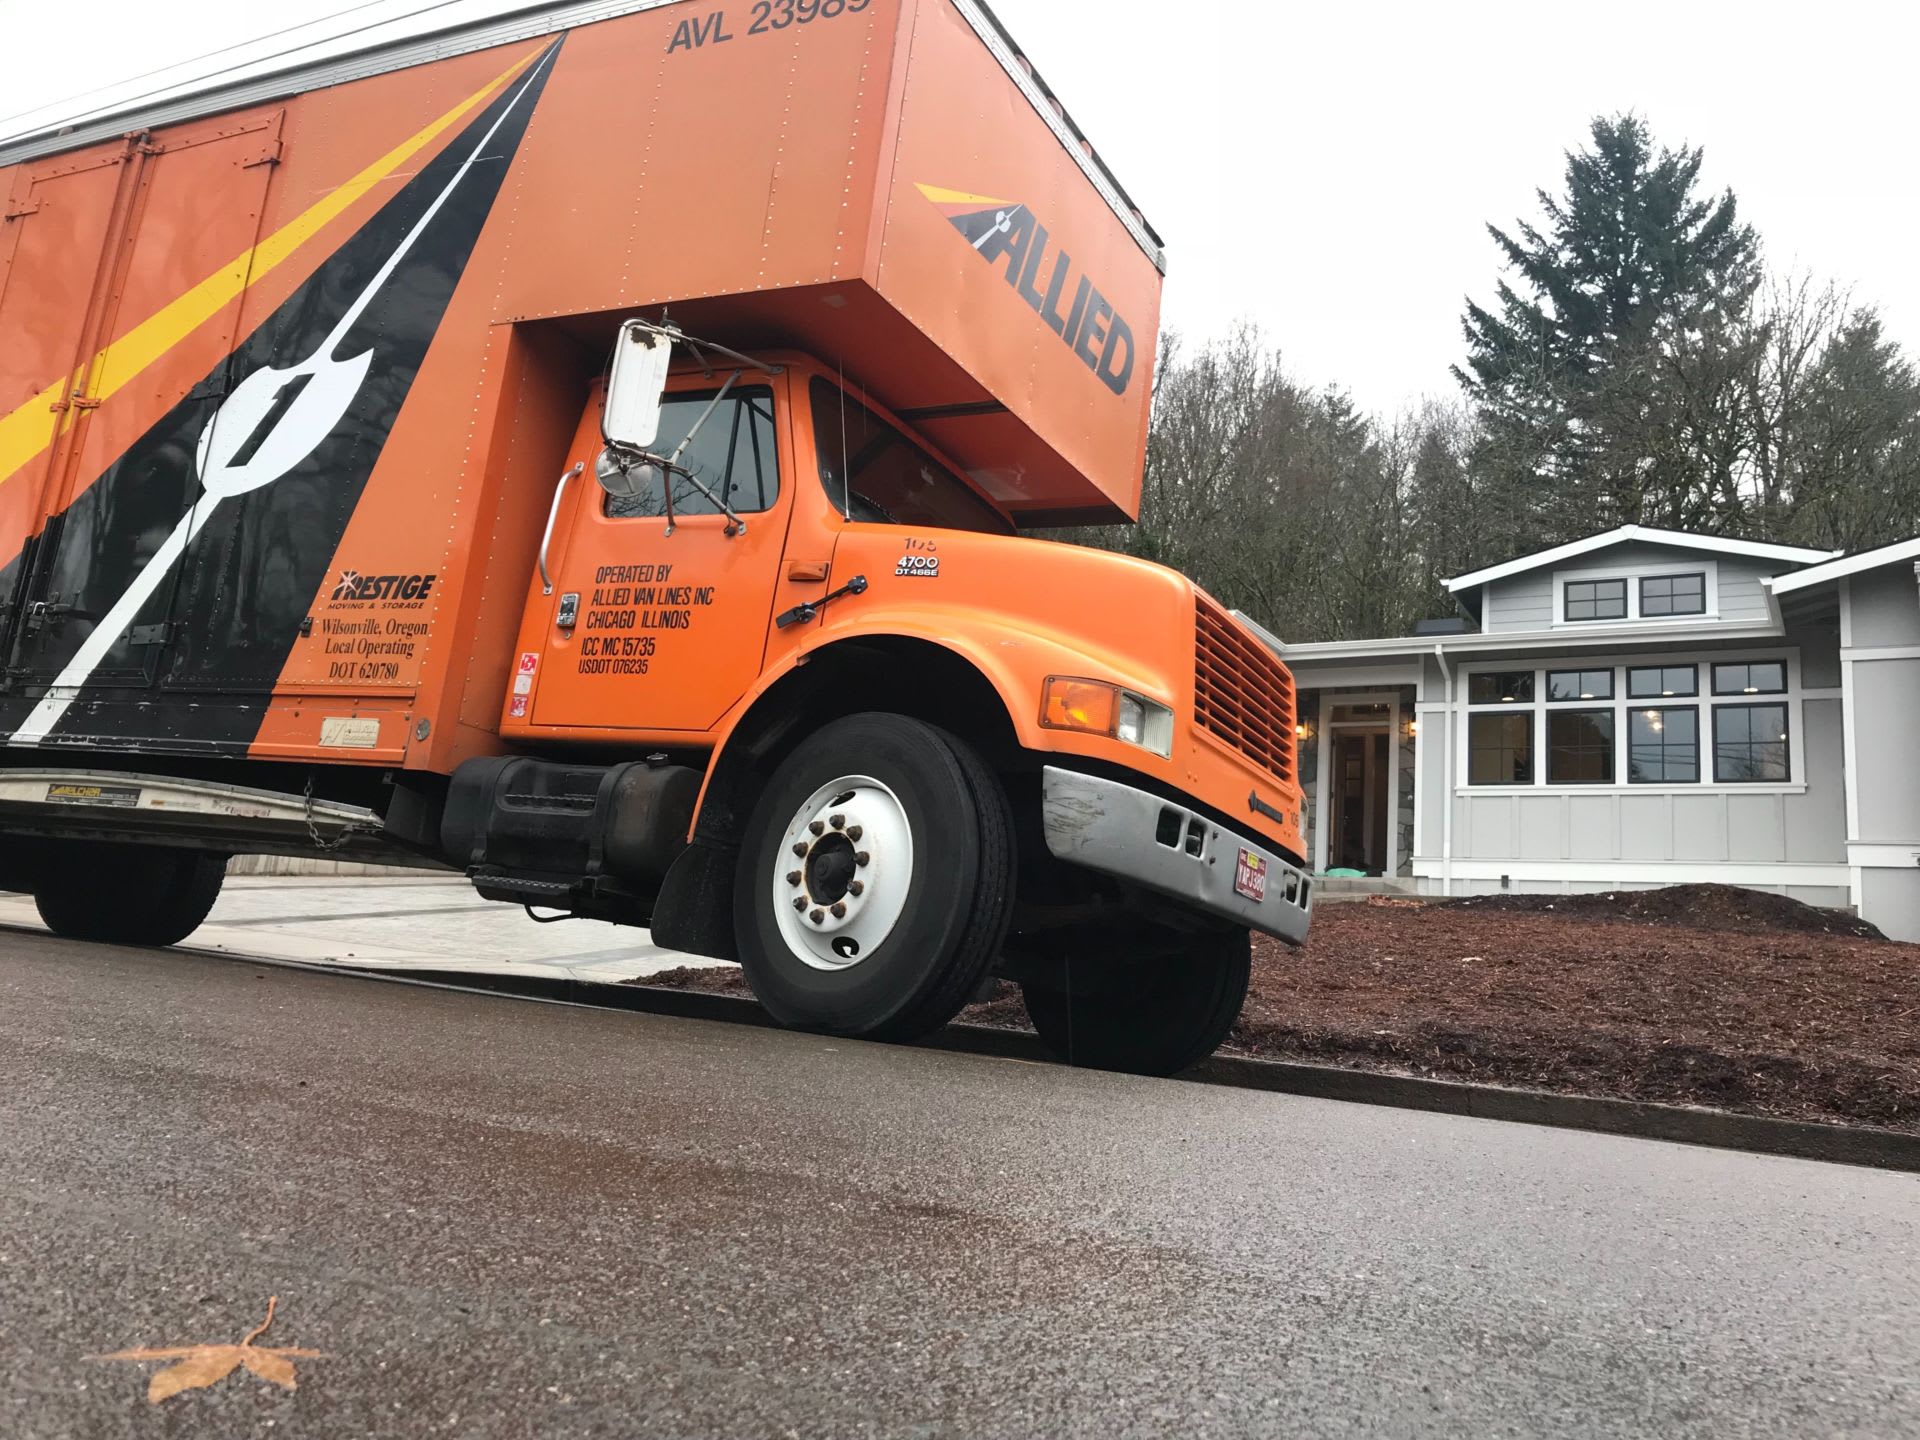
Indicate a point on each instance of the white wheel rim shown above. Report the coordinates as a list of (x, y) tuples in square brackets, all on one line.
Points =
[(841, 875)]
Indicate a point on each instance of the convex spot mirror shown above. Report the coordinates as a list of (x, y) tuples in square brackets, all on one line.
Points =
[(636, 386), (623, 475)]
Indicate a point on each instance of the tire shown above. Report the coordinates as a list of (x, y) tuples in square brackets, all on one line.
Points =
[(1155, 1017), (876, 881), (131, 895)]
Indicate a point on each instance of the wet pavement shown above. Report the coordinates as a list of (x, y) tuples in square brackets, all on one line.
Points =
[(506, 1218)]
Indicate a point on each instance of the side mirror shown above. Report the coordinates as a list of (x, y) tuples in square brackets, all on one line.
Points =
[(625, 475), (636, 386)]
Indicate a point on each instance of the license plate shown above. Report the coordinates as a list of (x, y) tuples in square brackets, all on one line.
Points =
[(1250, 876)]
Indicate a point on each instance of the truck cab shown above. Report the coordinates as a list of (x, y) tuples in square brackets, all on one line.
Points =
[(909, 747)]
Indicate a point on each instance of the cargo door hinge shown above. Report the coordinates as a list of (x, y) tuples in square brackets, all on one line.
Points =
[(267, 154), (21, 211), (157, 634)]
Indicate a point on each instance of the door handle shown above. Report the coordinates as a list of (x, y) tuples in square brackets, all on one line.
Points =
[(807, 572), (553, 514)]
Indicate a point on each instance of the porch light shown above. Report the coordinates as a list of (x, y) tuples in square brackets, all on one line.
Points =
[(1413, 728), (1303, 731)]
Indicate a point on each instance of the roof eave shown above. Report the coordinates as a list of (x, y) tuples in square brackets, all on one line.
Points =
[(1681, 539)]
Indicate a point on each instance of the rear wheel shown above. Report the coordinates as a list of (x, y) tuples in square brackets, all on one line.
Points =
[(1145, 1017), (130, 894), (877, 880)]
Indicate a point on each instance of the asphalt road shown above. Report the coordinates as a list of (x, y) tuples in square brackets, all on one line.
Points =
[(501, 1218)]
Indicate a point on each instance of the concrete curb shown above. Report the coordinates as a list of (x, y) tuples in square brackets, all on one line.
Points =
[(1682, 1124)]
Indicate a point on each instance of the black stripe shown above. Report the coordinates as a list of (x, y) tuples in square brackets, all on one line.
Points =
[(237, 599)]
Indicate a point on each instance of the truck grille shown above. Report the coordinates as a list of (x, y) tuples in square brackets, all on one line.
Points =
[(1241, 693)]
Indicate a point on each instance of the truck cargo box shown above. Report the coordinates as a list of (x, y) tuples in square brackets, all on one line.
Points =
[(367, 301)]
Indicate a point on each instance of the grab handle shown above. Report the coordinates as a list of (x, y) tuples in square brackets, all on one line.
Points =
[(553, 514)]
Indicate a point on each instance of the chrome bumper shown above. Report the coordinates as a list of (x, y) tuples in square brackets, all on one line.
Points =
[(1173, 851)]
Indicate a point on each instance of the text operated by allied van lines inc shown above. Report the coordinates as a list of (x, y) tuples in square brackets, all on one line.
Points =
[(630, 606)]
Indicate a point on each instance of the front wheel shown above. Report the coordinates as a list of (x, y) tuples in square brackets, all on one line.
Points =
[(130, 894), (1144, 1017), (876, 881)]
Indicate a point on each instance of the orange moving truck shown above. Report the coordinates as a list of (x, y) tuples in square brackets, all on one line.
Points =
[(588, 449)]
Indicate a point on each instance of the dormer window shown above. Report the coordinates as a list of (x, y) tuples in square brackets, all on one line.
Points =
[(1632, 592), (1596, 599), (1673, 595)]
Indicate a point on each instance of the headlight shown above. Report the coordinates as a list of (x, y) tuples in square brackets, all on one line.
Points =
[(1094, 707)]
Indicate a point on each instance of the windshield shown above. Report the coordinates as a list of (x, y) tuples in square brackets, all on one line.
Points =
[(894, 481)]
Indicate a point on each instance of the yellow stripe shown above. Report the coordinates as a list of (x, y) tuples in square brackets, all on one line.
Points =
[(956, 197), (27, 430)]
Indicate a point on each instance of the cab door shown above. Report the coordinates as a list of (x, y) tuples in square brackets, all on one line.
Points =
[(658, 624)]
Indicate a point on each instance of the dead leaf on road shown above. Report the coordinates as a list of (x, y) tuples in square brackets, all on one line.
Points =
[(203, 1365)]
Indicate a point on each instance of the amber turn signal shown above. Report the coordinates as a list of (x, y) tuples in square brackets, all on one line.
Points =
[(1085, 705)]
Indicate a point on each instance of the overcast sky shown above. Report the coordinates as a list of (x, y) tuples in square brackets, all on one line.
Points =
[(1327, 170)]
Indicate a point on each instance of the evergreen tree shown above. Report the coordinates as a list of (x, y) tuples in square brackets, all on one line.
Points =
[(1570, 369), (1859, 453)]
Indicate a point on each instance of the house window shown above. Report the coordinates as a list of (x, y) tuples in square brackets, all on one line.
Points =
[(1767, 677), (1596, 599), (1663, 745), (1750, 744), (1503, 687), (1658, 682), (1579, 684), (1702, 721), (1580, 747), (1500, 748), (1673, 595)]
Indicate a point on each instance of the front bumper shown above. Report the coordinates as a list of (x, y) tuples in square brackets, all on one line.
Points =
[(1173, 851)]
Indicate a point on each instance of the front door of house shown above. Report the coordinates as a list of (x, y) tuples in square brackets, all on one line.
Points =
[(1358, 838)]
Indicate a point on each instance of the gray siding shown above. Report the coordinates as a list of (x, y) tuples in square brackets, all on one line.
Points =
[(1886, 697), (1684, 827), (1886, 607), (1525, 602), (1891, 900), (1672, 826)]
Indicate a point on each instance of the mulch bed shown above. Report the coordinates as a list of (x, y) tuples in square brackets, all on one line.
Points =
[(1694, 995)]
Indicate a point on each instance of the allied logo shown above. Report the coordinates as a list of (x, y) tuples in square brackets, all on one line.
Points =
[(1009, 234)]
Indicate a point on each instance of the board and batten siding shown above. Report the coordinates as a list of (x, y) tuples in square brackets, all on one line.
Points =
[(1558, 839), (1525, 602), (1883, 674)]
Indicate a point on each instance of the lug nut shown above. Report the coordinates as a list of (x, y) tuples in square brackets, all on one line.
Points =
[(818, 827), (799, 902), (819, 917), (794, 877), (854, 832), (839, 909), (862, 859), (839, 822), (857, 889), (800, 849)]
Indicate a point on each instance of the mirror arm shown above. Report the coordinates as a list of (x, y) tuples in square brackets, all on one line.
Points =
[(735, 525), (553, 514)]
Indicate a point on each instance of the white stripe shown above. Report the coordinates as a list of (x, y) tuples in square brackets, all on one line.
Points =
[(66, 686)]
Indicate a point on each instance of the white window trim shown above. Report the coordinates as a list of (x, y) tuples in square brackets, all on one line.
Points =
[(1705, 702), (1633, 576)]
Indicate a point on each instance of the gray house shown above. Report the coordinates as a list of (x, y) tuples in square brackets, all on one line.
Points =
[(1642, 707)]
